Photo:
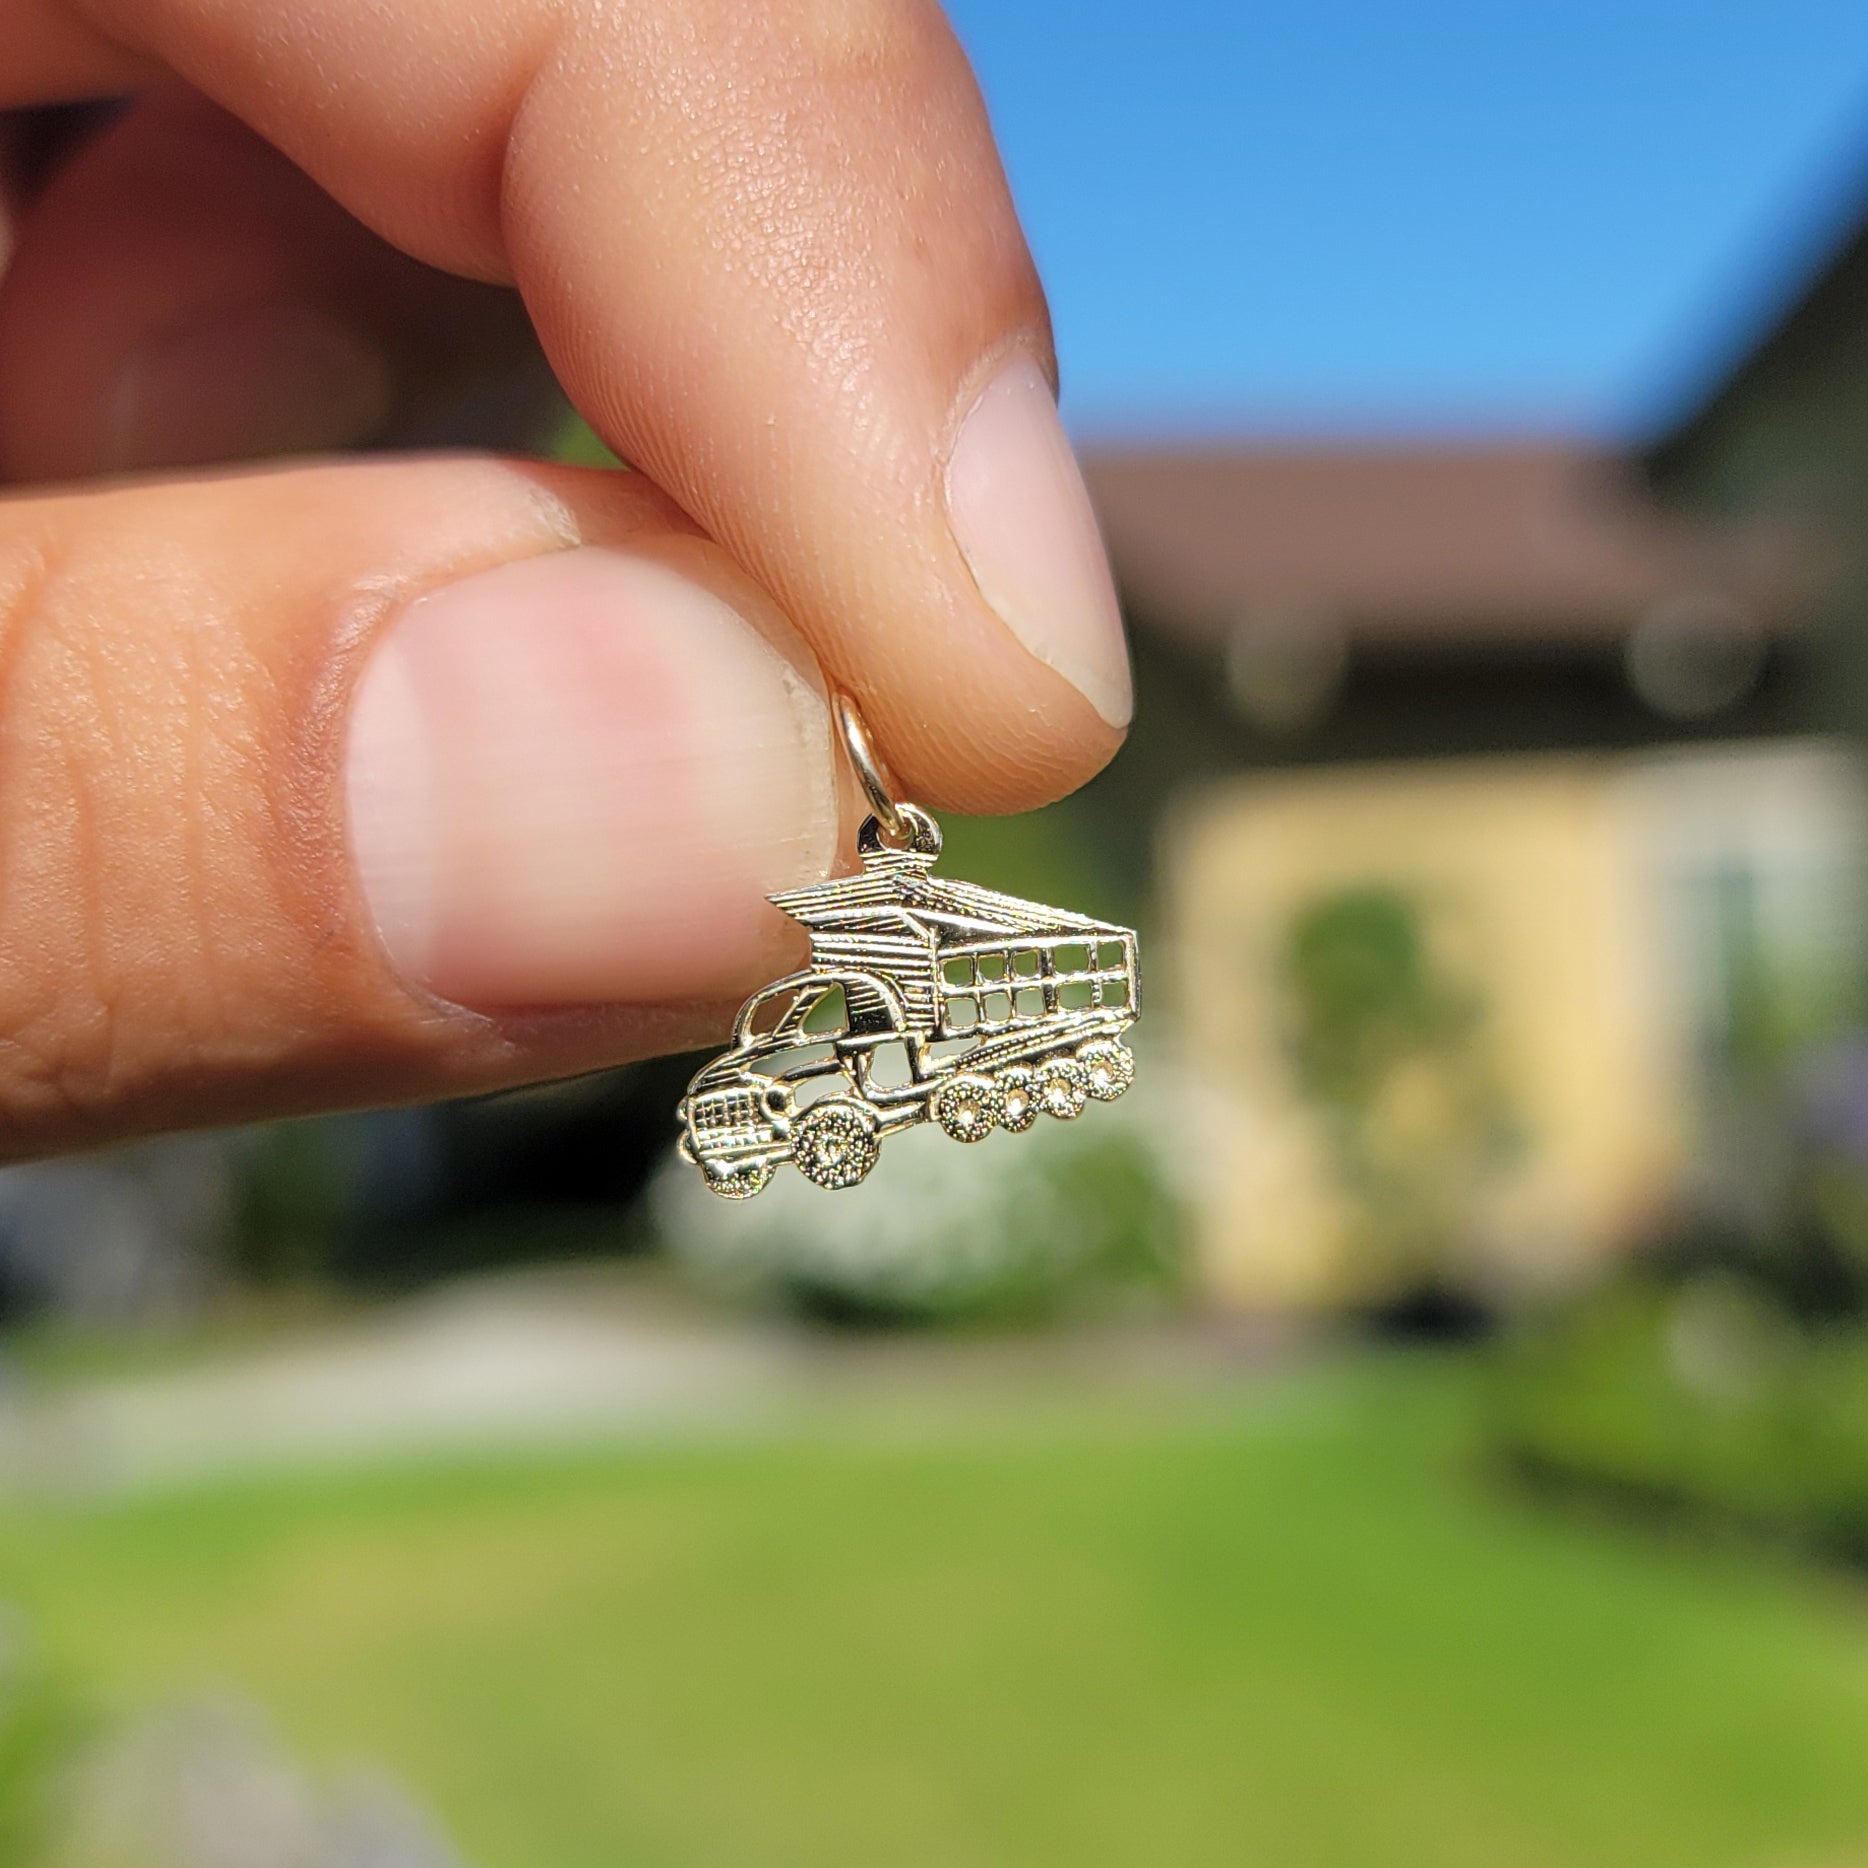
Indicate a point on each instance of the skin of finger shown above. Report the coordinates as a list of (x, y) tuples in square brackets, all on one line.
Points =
[(841, 269), (177, 215), (771, 254), (181, 934), (54, 57)]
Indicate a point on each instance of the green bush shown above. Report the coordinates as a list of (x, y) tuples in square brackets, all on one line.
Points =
[(1016, 1229), (1703, 1398)]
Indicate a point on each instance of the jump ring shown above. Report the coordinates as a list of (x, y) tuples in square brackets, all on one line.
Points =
[(868, 769)]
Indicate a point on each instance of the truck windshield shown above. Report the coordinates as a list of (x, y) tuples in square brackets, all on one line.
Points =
[(804, 1012)]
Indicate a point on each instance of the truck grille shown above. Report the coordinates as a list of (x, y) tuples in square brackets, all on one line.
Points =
[(729, 1116)]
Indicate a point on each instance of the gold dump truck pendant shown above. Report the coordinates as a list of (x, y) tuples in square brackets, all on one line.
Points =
[(925, 1000)]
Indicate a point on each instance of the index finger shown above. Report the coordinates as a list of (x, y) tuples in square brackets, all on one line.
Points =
[(772, 256)]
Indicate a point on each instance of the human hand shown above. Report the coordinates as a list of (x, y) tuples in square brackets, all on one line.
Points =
[(382, 780)]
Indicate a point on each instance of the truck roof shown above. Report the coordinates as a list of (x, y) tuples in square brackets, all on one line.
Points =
[(897, 886)]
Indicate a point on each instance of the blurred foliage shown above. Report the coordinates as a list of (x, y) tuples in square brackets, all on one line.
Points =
[(398, 1198), (1056, 855), (1367, 995), (1830, 1271), (1723, 1376), (1070, 1219), (1703, 1397), (1389, 1046), (297, 1189)]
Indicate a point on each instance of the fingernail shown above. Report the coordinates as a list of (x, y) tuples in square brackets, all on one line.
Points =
[(1021, 514), (267, 379), (576, 778)]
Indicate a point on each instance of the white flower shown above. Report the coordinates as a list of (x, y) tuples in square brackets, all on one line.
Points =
[(939, 1226)]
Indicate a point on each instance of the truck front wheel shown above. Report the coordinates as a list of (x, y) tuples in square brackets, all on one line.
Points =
[(834, 1143)]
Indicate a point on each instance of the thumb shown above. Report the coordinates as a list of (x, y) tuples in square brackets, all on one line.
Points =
[(368, 782)]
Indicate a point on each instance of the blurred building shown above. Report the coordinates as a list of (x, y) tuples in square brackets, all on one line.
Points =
[(1474, 1022), (1782, 441), (1490, 845), (1306, 604)]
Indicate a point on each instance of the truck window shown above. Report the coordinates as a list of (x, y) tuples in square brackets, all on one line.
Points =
[(830, 1016)]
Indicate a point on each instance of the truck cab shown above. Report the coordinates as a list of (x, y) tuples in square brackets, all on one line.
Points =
[(817, 1026)]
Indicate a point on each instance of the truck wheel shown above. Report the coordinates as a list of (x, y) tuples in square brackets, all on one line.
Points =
[(1111, 1068), (834, 1143), (1063, 1087), (740, 1183), (1018, 1099), (968, 1109)]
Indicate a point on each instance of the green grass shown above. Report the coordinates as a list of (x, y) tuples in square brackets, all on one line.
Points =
[(1292, 1632)]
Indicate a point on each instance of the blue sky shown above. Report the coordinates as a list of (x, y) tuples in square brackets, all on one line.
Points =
[(1418, 214)]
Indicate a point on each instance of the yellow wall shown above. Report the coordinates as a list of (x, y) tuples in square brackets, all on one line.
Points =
[(1531, 881)]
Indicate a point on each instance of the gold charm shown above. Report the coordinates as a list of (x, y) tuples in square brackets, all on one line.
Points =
[(925, 999)]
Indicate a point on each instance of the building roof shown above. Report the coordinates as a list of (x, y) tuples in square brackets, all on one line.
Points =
[(1784, 425), (1438, 540), (895, 886)]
